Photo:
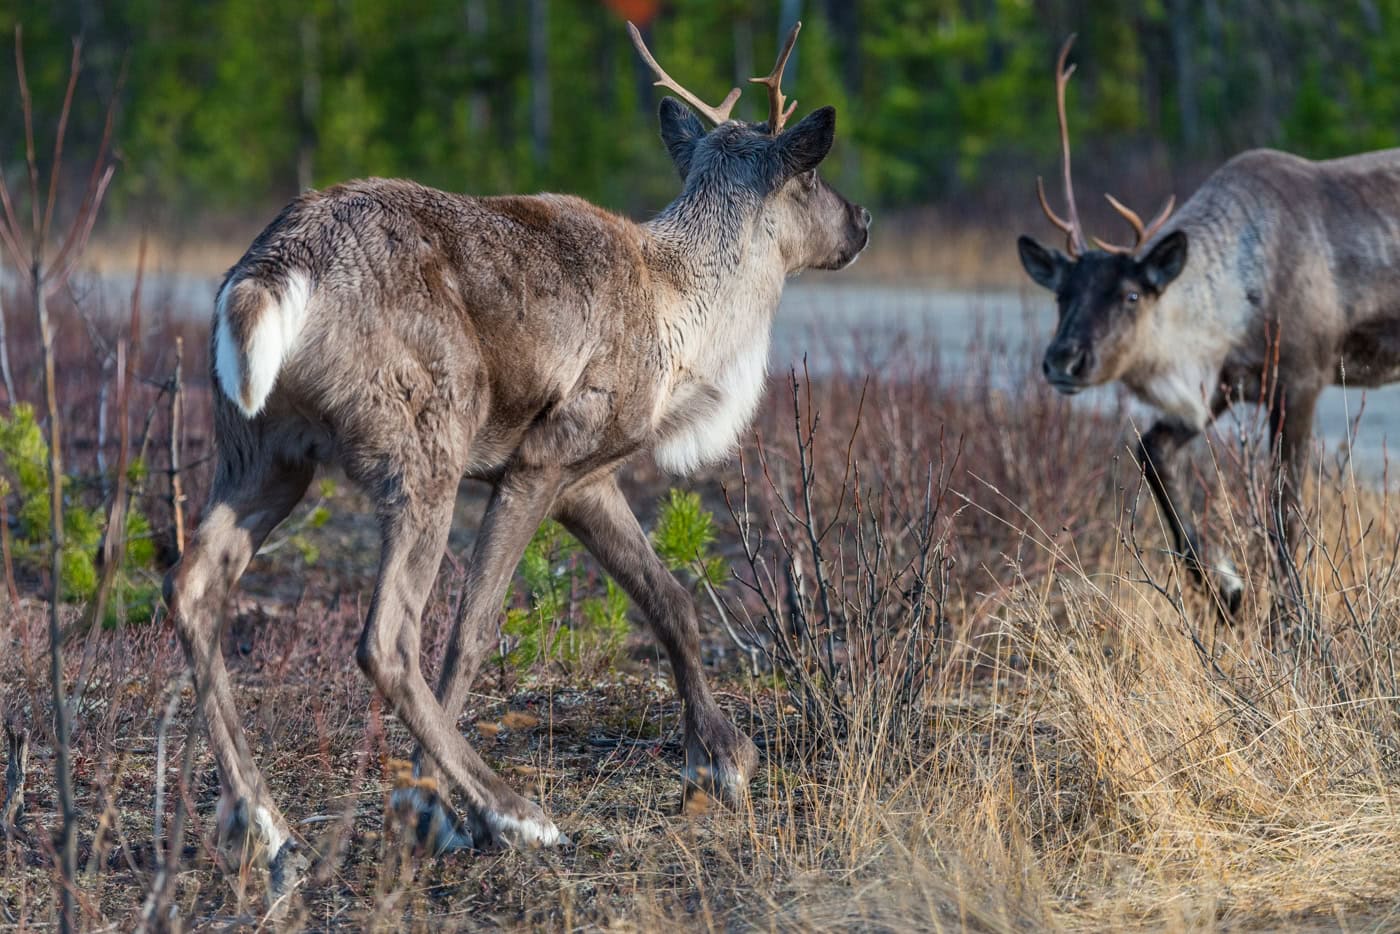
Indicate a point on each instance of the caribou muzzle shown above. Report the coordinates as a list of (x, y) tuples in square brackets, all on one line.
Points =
[(1068, 366), (857, 237)]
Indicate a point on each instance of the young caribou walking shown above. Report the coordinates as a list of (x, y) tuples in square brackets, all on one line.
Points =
[(1278, 278), (414, 337)]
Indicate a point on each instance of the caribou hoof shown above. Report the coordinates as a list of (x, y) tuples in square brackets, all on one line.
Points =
[(1229, 587), (285, 869), (720, 766), (436, 829), (1222, 582), (252, 835), (526, 830)]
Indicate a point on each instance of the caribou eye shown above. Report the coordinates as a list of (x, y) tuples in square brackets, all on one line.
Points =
[(1132, 298)]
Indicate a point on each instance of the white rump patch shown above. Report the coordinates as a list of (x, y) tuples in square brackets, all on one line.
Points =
[(247, 374)]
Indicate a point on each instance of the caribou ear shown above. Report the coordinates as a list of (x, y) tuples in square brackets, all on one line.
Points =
[(1165, 262), (680, 131), (802, 147), (1045, 267)]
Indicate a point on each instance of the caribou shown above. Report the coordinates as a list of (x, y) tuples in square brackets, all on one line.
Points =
[(1278, 277), (415, 337)]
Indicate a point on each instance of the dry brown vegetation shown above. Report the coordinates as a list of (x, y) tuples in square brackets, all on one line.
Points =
[(992, 704)]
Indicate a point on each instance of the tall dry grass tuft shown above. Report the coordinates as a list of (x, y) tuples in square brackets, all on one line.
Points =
[(1082, 744)]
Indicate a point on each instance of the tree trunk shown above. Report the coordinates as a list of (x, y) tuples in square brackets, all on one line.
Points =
[(478, 103), (743, 51), (68, 844), (790, 12), (1187, 100), (310, 100), (843, 16), (539, 83)]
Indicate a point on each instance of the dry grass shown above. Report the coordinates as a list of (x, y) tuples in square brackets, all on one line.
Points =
[(1067, 740)]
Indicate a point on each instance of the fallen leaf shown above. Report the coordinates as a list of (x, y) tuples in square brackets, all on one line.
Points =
[(519, 720), (696, 803)]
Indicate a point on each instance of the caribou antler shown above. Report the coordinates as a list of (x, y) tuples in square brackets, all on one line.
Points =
[(1074, 231), (1143, 233), (716, 115), (777, 114)]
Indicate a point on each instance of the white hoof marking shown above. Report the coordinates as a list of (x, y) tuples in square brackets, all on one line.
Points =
[(722, 782), (1229, 580), (524, 832), (271, 836)]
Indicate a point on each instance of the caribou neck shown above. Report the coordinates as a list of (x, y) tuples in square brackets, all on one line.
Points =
[(720, 274)]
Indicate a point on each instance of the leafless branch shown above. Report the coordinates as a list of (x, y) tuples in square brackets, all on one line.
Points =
[(177, 404), (16, 768)]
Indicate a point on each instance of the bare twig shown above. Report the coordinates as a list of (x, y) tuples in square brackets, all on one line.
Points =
[(16, 767), (43, 279), (102, 170), (172, 706), (74, 66), (68, 848), (177, 403), (6, 553), (114, 537), (157, 908), (5, 375)]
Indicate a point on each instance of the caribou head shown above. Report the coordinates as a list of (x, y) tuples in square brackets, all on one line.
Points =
[(767, 167), (1105, 293)]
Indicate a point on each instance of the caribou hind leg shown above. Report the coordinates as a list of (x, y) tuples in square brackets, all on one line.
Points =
[(252, 494), (415, 526), (518, 504), (719, 758)]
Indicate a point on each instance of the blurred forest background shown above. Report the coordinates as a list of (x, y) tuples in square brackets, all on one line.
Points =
[(229, 107)]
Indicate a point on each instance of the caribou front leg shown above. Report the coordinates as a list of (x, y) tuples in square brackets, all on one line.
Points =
[(1290, 424), (719, 759), (1159, 455), (250, 497)]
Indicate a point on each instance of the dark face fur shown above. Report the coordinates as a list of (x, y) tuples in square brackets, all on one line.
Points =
[(1102, 298), (776, 178)]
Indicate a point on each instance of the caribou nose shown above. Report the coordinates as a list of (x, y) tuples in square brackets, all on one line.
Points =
[(865, 217), (1066, 363)]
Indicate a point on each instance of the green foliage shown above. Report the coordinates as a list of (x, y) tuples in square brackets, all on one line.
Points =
[(560, 624), (684, 534), (25, 455), (294, 533), (553, 576), (230, 103), (27, 460)]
